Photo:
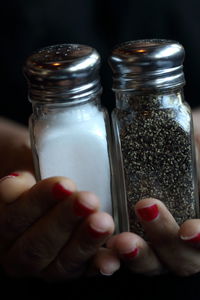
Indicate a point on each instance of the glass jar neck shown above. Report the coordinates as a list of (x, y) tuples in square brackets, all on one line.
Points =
[(129, 100), (52, 108)]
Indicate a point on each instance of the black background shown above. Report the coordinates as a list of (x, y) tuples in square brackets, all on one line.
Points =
[(27, 25)]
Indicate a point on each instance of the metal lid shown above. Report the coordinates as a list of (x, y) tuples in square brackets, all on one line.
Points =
[(146, 65), (65, 72)]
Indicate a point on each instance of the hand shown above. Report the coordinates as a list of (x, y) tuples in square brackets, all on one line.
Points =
[(15, 152), (48, 229), (169, 247), (51, 230)]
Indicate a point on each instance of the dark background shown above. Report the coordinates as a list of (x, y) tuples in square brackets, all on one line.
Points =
[(27, 25)]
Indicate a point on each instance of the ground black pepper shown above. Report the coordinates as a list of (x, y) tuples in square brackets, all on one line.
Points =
[(153, 131), (157, 157)]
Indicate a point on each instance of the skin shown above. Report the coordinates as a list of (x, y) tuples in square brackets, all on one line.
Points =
[(42, 236), (171, 248)]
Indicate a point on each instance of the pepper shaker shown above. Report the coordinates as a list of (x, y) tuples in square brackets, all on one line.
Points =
[(69, 129), (153, 131)]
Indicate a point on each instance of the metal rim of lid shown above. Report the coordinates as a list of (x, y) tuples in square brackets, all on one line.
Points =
[(148, 64), (63, 72)]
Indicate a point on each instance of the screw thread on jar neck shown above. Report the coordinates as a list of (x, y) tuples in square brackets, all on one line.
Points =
[(147, 66)]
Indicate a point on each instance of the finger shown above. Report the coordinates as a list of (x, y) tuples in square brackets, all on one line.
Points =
[(72, 261), (14, 185), (158, 223), (39, 246), (136, 253), (32, 205), (190, 233), (105, 262), (163, 233)]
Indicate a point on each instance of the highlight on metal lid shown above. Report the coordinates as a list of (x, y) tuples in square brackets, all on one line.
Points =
[(150, 64), (63, 72)]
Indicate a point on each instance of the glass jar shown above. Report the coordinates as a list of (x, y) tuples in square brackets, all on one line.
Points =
[(69, 129), (153, 131)]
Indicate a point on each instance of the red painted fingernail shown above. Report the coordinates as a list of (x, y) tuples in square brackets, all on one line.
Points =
[(13, 174), (131, 254), (95, 233), (148, 213), (9, 176), (59, 192), (81, 210), (195, 239)]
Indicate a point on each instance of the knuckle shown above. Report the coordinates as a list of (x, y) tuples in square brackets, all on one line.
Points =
[(38, 251), (11, 224), (74, 269), (33, 254), (69, 269), (70, 265), (26, 258), (86, 250)]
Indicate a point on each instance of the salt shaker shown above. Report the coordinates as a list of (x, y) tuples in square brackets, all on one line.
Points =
[(153, 131), (69, 129)]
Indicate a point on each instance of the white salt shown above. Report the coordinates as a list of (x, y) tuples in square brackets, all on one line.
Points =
[(72, 142)]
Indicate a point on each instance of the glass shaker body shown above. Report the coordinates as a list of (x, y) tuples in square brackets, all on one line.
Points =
[(153, 133), (154, 145), (71, 137)]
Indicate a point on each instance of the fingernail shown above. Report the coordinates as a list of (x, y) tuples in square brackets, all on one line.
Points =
[(131, 254), (81, 210), (191, 239), (105, 274), (13, 175), (96, 233), (9, 176), (59, 192), (148, 213)]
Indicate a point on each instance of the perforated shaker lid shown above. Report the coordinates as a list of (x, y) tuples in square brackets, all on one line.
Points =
[(146, 65), (65, 72)]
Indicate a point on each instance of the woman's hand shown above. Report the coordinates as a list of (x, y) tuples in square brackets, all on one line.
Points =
[(51, 230), (47, 229), (15, 153), (169, 247)]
